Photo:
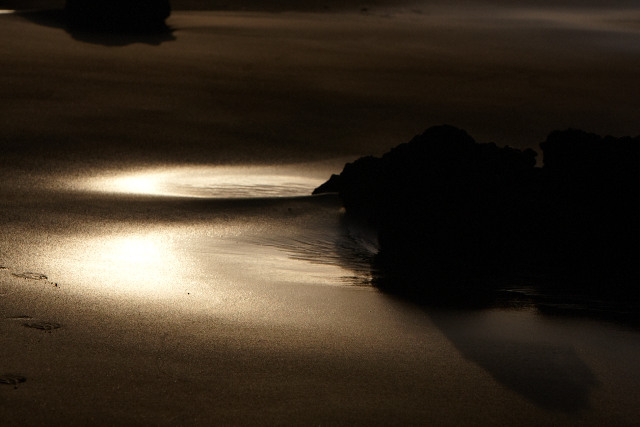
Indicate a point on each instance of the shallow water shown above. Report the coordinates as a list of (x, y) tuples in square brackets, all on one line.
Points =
[(156, 226)]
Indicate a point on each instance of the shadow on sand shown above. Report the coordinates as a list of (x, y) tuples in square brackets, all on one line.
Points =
[(544, 370), (464, 227), (57, 18)]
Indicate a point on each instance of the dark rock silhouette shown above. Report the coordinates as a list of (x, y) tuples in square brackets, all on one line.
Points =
[(455, 217), (592, 187), (88, 31), (118, 15)]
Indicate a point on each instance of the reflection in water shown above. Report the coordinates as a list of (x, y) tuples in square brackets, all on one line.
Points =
[(211, 182), (130, 262), (216, 248), (191, 237), (348, 245), (135, 249)]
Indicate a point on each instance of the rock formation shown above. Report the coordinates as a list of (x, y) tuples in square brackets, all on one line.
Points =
[(449, 208), (118, 15)]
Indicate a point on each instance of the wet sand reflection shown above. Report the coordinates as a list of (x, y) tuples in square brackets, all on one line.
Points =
[(245, 297)]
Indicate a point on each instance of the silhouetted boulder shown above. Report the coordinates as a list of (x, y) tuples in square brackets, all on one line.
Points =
[(593, 186), (442, 201), (448, 209), (118, 15)]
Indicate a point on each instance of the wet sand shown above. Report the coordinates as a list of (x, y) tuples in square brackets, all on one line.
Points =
[(164, 304), (164, 311), (292, 86)]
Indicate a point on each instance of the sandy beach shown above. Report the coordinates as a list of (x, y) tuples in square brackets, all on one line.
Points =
[(313, 85), (167, 311), (163, 263)]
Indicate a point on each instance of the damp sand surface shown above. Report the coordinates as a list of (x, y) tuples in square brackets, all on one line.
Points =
[(161, 262), (266, 87), (196, 311)]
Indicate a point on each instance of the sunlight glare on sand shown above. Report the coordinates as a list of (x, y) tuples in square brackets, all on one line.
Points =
[(210, 182), (137, 184), (133, 263), (136, 250)]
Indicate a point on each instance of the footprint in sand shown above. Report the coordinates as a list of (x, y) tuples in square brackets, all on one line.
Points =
[(42, 325), (19, 317), (12, 379), (35, 324), (3, 291), (31, 276)]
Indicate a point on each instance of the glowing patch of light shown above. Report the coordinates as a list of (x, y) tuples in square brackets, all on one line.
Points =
[(144, 184), (136, 251), (128, 263), (212, 182), (6, 11)]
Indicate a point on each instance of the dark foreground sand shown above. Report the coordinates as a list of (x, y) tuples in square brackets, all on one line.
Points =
[(121, 305)]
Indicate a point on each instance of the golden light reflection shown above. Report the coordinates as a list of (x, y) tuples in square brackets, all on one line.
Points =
[(212, 182), (136, 251), (151, 259), (190, 267), (129, 263), (137, 184)]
